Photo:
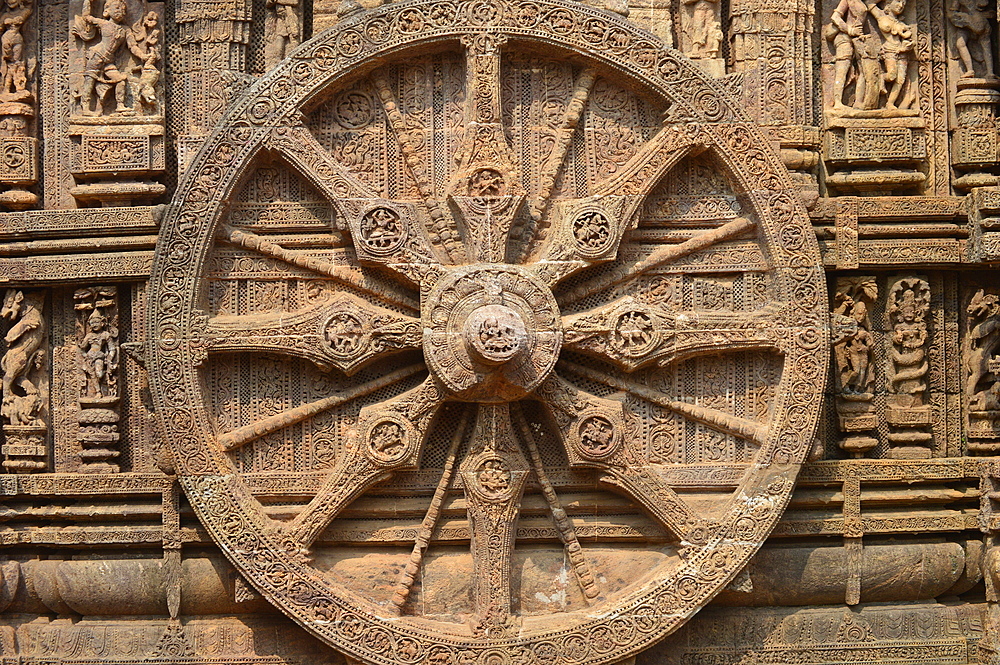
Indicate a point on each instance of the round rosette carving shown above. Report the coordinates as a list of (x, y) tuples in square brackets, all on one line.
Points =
[(476, 322)]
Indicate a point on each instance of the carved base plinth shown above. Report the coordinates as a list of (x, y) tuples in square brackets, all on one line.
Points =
[(875, 154), (99, 435), (908, 440), (974, 140), (112, 156), (857, 419), (25, 449), (18, 155)]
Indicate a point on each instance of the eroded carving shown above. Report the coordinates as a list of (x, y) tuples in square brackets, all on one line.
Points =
[(908, 412)]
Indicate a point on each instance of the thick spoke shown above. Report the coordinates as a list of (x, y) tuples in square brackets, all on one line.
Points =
[(494, 472), (423, 540), (389, 436), (588, 231), (345, 332), (632, 334), (659, 257), (442, 226), (564, 525), (754, 432), (348, 276), (243, 435), (486, 190), (593, 431), (385, 233)]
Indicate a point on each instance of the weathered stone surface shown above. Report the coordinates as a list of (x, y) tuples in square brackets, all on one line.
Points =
[(508, 332)]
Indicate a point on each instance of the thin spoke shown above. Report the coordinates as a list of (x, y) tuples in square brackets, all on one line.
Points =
[(664, 151), (755, 433), (564, 138), (389, 436), (564, 525), (658, 258), (443, 227), (350, 277), (243, 435), (594, 433), (409, 574)]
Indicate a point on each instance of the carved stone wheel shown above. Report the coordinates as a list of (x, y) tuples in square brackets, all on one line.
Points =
[(560, 260)]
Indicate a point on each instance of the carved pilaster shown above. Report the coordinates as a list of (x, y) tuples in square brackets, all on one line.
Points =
[(25, 387), (18, 145), (975, 92), (989, 524), (116, 126), (854, 374), (908, 411), (771, 47), (98, 363), (211, 60)]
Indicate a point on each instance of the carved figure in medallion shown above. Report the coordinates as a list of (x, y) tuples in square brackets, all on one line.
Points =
[(21, 401), (971, 20), (101, 73)]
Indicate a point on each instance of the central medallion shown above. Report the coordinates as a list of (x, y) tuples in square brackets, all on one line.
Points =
[(491, 332)]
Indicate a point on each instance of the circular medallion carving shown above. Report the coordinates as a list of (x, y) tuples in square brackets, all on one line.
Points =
[(484, 338)]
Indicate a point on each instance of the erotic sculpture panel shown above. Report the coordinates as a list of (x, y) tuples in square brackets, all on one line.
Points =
[(524, 311)]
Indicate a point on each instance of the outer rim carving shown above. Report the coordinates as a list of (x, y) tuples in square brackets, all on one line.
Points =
[(222, 500)]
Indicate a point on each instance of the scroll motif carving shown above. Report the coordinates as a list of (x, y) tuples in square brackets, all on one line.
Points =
[(908, 411)]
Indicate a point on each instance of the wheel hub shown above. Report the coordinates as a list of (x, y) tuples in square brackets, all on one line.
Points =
[(492, 332)]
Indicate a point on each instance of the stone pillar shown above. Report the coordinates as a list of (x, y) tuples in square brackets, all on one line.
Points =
[(98, 369), (771, 46)]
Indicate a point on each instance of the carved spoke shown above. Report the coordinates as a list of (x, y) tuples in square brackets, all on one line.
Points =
[(494, 471), (346, 275), (244, 435), (345, 332), (564, 137), (423, 540), (659, 257), (567, 533), (587, 231), (754, 432), (593, 431), (389, 436), (485, 190), (385, 233), (442, 226), (632, 334)]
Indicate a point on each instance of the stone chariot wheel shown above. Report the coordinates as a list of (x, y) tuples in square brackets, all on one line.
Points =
[(487, 332)]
